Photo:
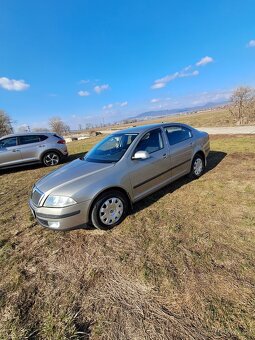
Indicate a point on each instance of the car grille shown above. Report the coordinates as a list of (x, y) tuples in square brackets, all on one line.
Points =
[(36, 196)]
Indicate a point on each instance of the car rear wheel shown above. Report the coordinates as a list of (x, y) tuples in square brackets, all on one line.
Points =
[(109, 210), (51, 158), (197, 167)]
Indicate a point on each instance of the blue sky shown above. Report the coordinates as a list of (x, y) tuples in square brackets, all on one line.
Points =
[(93, 61)]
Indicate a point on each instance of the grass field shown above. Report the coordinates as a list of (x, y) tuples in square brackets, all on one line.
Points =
[(205, 118), (181, 266), (217, 117)]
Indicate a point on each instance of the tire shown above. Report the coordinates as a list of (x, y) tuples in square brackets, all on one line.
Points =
[(51, 158), (109, 210), (197, 168)]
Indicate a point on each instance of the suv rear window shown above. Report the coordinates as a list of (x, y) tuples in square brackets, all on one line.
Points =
[(43, 137), (55, 135)]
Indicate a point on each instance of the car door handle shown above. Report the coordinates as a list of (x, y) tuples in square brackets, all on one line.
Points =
[(165, 155), (41, 146), (15, 150)]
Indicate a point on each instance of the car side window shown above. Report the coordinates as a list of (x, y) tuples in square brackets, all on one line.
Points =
[(151, 142), (177, 134), (8, 142), (29, 139)]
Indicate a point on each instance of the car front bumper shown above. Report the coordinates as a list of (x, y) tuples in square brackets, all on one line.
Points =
[(72, 217)]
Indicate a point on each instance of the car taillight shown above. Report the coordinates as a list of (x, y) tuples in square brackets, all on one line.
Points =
[(61, 141)]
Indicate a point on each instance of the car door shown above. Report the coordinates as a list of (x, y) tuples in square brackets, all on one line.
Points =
[(181, 142), (29, 146), (147, 175), (9, 152)]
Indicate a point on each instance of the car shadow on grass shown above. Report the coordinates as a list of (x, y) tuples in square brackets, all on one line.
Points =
[(213, 160)]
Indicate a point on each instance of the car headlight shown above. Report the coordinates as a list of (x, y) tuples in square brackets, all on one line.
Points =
[(58, 201)]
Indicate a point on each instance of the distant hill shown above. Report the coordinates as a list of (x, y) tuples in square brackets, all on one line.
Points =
[(161, 113)]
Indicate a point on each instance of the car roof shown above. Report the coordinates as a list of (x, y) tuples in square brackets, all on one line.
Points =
[(27, 134), (147, 127)]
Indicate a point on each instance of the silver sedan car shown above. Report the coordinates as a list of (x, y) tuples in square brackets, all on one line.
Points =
[(123, 168)]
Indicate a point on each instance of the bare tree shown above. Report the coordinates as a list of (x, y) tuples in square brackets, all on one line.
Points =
[(24, 128), (58, 126), (5, 124), (243, 105)]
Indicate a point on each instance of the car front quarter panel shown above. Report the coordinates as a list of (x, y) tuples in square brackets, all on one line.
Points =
[(88, 188)]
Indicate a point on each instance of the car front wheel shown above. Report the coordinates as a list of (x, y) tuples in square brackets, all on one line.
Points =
[(51, 158), (109, 210)]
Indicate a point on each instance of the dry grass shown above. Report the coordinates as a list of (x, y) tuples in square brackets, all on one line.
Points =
[(181, 266), (217, 117)]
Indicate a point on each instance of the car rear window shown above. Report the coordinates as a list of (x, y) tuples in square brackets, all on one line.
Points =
[(43, 137), (177, 134), (55, 135)]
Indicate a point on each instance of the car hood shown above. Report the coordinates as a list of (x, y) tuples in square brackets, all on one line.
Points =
[(77, 170)]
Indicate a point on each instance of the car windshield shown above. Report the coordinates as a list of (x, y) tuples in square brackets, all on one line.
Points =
[(111, 149)]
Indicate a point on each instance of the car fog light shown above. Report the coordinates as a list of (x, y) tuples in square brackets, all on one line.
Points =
[(54, 225)]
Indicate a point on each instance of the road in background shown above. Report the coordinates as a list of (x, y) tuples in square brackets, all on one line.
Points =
[(228, 130)]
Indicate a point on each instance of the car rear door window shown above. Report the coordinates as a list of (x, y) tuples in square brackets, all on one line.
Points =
[(151, 142), (29, 139), (177, 134)]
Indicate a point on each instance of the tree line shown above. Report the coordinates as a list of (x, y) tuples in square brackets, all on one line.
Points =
[(241, 106), (56, 124)]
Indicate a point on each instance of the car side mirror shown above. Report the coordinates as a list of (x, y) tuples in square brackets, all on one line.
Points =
[(141, 155)]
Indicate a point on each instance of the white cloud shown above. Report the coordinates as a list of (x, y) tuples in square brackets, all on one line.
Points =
[(162, 82), (100, 88), (186, 72), (251, 43), (155, 100), (158, 86), (13, 85), (108, 107), (187, 68), (83, 93), (123, 104), (190, 74), (84, 81), (114, 105), (211, 97), (204, 61)]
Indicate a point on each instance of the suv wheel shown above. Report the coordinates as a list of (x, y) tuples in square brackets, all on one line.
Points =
[(109, 210), (51, 158), (197, 167)]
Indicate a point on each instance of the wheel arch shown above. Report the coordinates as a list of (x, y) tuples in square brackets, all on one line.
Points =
[(200, 153), (116, 188), (50, 150)]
